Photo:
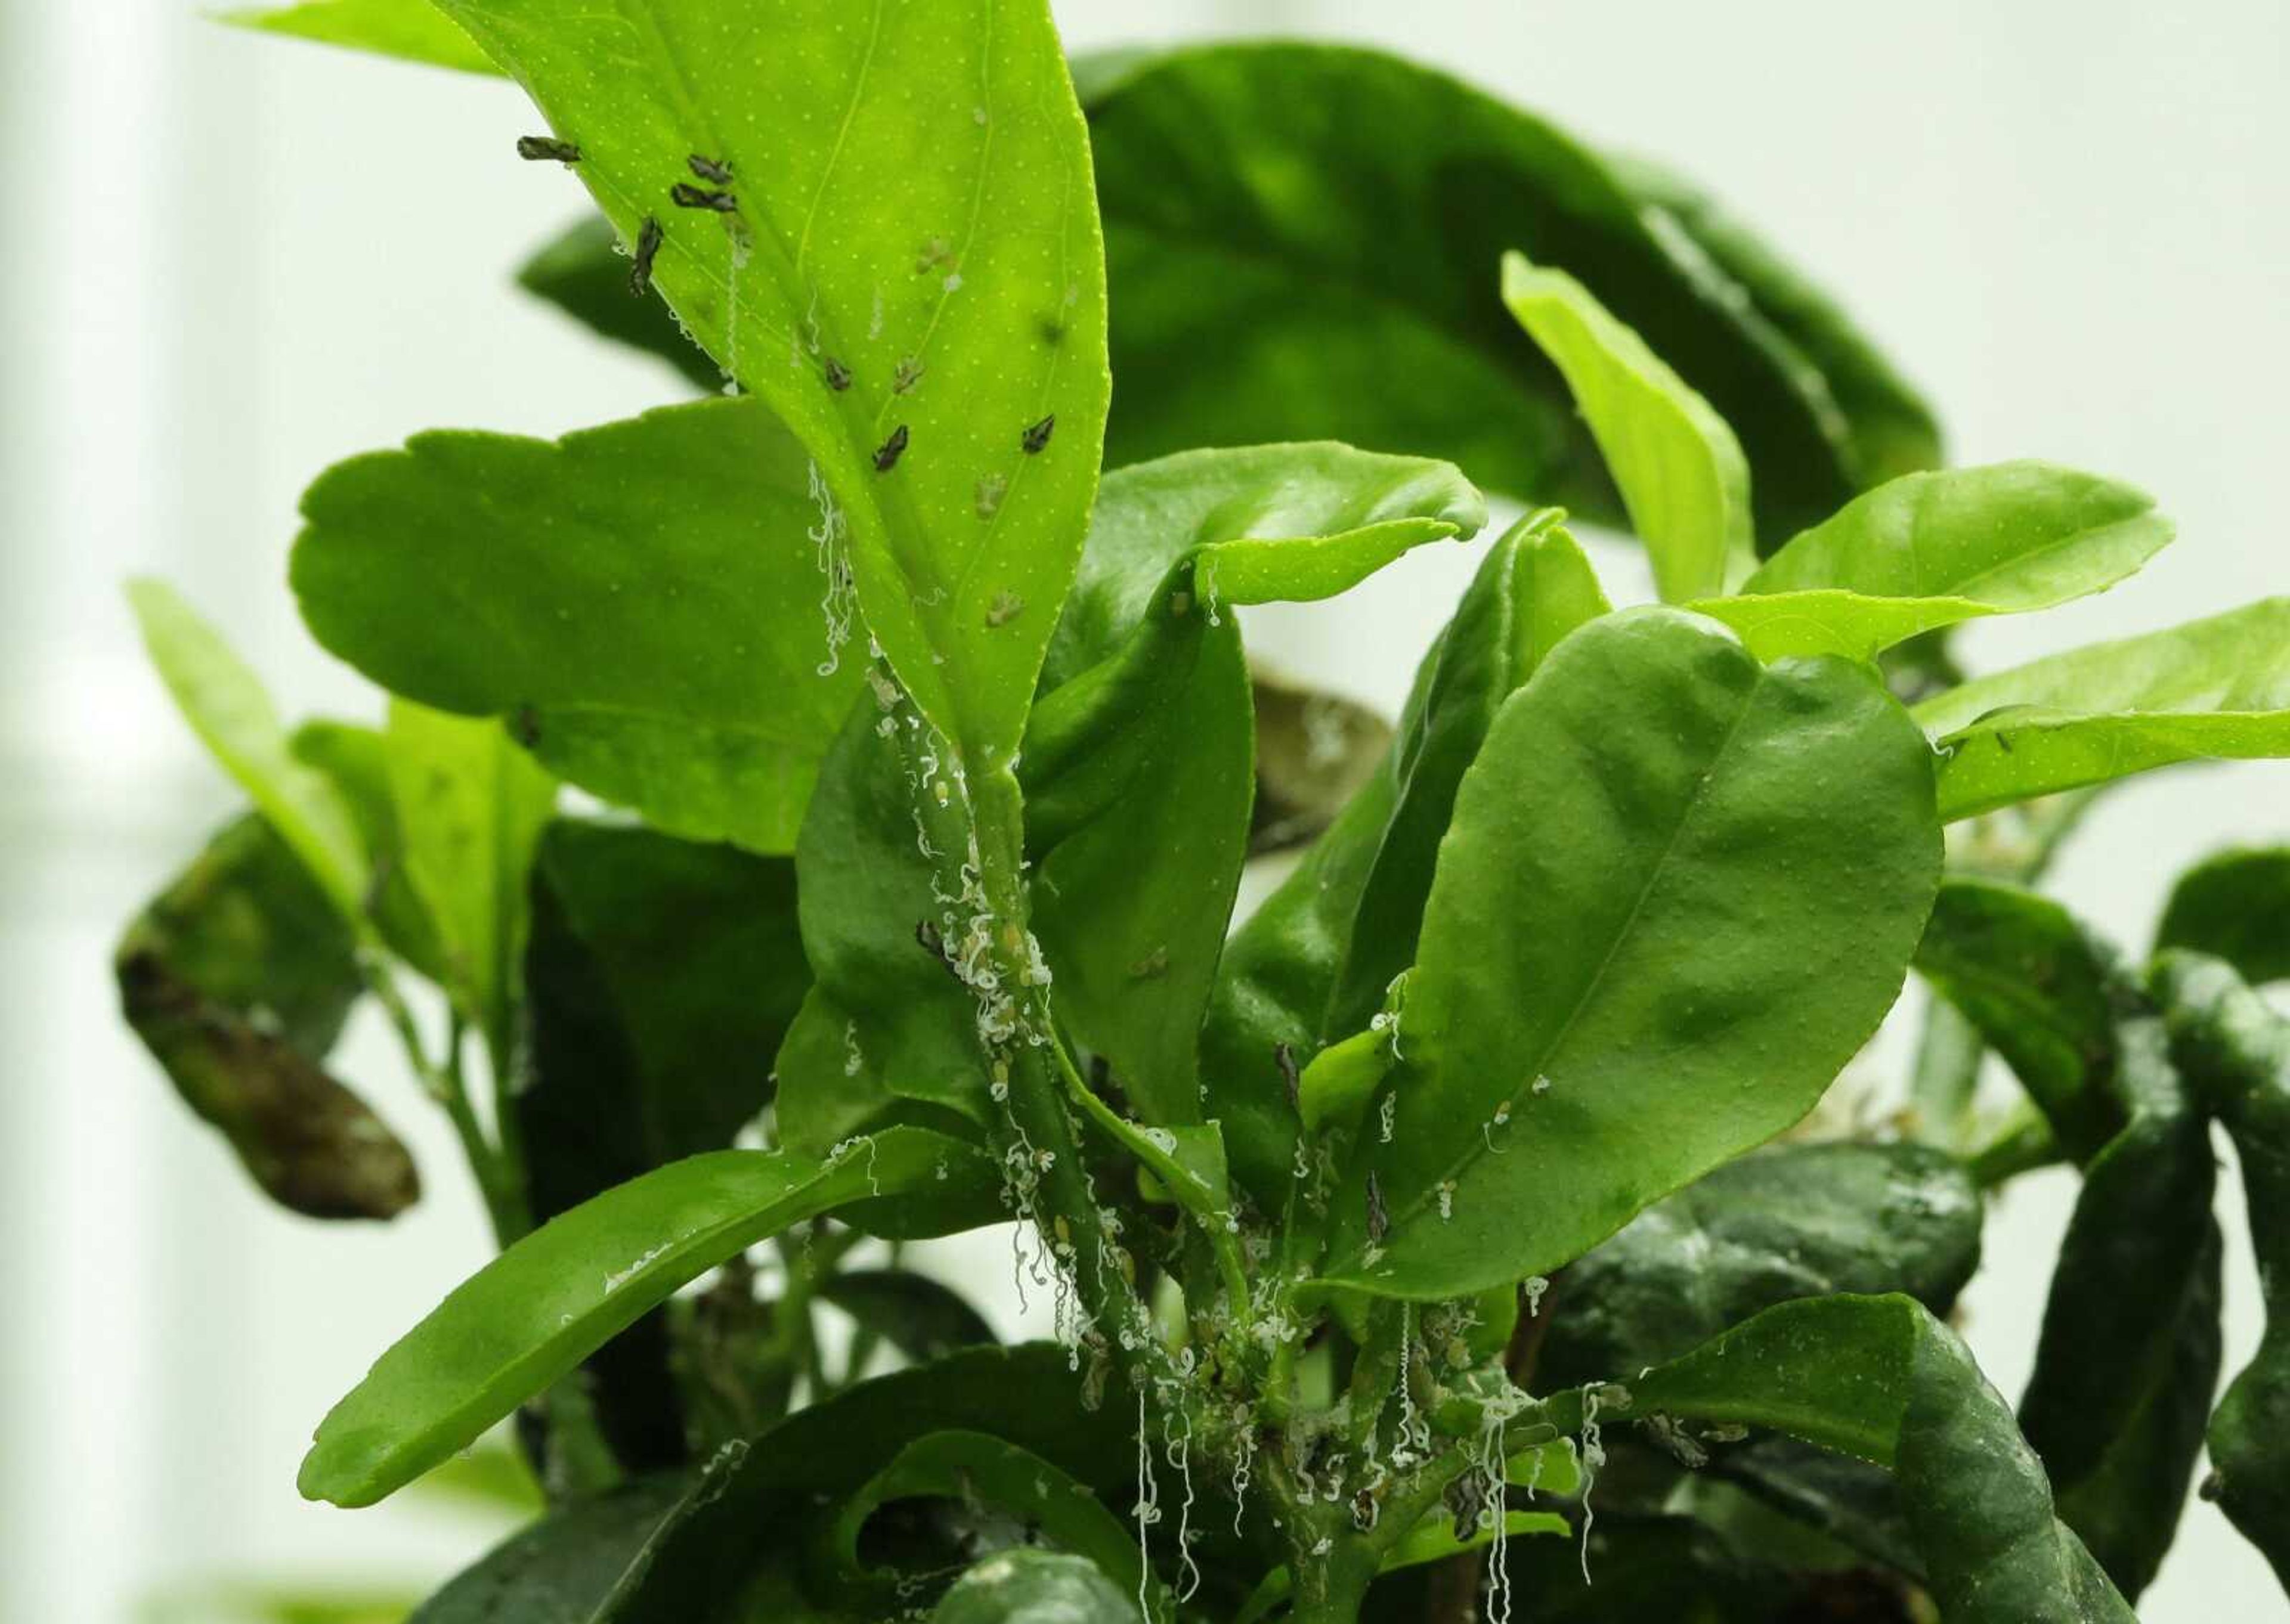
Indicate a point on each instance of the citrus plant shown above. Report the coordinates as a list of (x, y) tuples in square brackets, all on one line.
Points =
[(1456, 1228)]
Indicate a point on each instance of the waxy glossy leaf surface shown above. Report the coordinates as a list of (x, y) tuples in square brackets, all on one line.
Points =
[(2210, 690), (1930, 549), (642, 602), (908, 273), (2235, 905), (1679, 891), (1682, 479), (557, 1295)]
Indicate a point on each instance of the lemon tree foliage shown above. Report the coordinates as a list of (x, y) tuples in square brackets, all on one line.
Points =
[(812, 821)]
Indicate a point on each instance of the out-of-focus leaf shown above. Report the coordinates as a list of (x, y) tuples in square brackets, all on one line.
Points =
[(940, 358), (1259, 296), (238, 978), (1848, 1500), (584, 273), (1301, 970), (921, 1318), (1029, 1587), (470, 807), (642, 602), (2235, 905), (228, 708), (2042, 990), (1680, 888), (561, 1292), (1879, 1379), (356, 758), (557, 1571), (1678, 464), (2235, 1050), (1314, 751), (1930, 549), (412, 30), (2211, 690), (1794, 1221)]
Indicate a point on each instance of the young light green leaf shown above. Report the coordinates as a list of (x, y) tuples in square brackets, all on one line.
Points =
[(1433, 1539), (908, 272), (356, 758), (1932, 549), (2217, 689), (1678, 464), (1878, 1378), (1790, 1221), (470, 809), (412, 30), (560, 1294), (2234, 905), (642, 600), (1261, 296), (1279, 980), (228, 708), (1680, 887), (237, 978), (1035, 1587)]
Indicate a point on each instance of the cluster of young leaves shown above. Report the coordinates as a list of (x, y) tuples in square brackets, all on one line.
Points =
[(938, 760)]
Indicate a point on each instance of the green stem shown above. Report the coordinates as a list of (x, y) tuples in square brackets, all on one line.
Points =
[(445, 1084)]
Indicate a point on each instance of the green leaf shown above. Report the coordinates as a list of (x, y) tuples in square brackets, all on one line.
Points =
[(237, 978), (1286, 523), (1293, 962), (915, 1314), (1031, 1587), (1680, 888), (558, 1570), (2211, 690), (1932, 549), (701, 1567), (1879, 1379), (561, 1292), (2042, 990), (228, 708), (583, 272), (1259, 296), (1678, 464), (2235, 1050), (356, 759), (641, 601), (1645, 1570), (978, 1470), (412, 30), (921, 222), (1794, 1221), (470, 809), (1433, 1539), (2234, 905)]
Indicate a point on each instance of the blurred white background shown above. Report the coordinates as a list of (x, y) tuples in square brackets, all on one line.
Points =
[(236, 260)]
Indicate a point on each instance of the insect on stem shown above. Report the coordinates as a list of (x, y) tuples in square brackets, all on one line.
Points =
[(547, 148)]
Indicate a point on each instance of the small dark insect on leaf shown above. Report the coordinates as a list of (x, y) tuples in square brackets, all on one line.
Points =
[(1379, 1221), (1466, 1497), (893, 449), (524, 726), (1037, 435), (838, 375), (2004, 742), (713, 170), (648, 242), (546, 148), (933, 943), (1284, 1058), (686, 195)]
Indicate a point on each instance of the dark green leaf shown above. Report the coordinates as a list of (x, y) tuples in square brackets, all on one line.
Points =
[(237, 978), (1878, 1378), (1680, 888), (2211, 690), (1260, 297), (1932, 549), (2235, 1050), (412, 30), (557, 1571), (641, 601), (913, 1313), (962, 293), (2235, 905), (561, 1292), (1670, 1570), (1676, 462), (1795, 1220), (1029, 1587), (1848, 1500), (583, 273)]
